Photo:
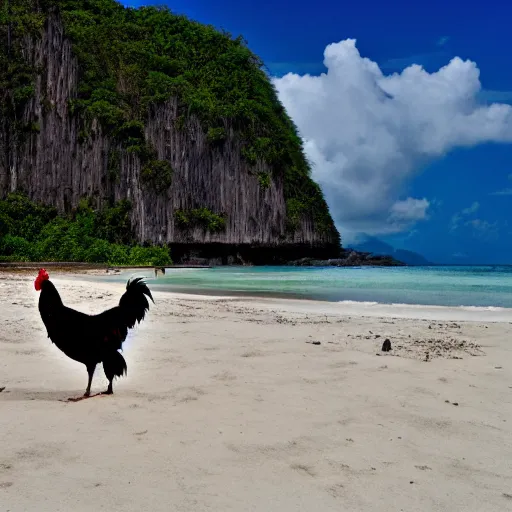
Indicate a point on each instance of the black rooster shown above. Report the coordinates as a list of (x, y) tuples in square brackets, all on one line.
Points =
[(92, 339)]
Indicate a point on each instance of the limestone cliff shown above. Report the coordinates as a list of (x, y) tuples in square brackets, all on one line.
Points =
[(56, 161)]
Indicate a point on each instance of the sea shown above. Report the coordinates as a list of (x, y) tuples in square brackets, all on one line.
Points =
[(486, 287)]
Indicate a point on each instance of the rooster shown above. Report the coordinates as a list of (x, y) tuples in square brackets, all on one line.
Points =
[(92, 339)]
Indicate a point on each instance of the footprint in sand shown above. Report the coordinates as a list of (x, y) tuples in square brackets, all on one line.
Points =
[(336, 490), (253, 353), (224, 376), (139, 435), (304, 469), (188, 394)]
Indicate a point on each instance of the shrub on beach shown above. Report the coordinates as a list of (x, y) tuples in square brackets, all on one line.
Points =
[(35, 232)]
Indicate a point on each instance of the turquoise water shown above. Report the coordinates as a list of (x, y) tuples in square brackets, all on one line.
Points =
[(482, 286)]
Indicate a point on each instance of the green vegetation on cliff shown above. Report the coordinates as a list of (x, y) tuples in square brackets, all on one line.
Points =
[(17, 19), (131, 59), (34, 232), (199, 217)]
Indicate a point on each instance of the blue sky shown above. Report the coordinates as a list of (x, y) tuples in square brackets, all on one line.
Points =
[(451, 204)]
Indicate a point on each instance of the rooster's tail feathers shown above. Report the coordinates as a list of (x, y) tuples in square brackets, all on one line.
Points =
[(134, 303), (114, 365)]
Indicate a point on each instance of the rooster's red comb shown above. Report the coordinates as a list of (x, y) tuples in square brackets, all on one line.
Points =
[(42, 276)]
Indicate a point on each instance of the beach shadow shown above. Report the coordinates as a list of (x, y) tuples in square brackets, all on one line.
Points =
[(25, 395)]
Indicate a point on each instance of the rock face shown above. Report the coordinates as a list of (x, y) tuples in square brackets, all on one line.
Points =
[(54, 165)]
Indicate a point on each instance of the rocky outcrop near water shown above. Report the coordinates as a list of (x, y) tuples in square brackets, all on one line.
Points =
[(349, 259)]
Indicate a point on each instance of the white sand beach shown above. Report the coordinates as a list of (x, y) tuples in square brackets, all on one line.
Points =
[(228, 406)]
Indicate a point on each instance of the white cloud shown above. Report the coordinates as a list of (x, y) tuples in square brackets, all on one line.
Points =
[(471, 209), (409, 210), (484, 229), (481, 228), (463, 213), (503, 192), (368, 133), (455, 221), (442, 40)]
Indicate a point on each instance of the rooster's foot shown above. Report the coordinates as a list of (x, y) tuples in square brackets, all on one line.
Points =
[(109, 391)]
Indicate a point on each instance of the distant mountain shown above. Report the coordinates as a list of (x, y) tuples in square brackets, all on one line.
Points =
[(410, 257), (371, 244)]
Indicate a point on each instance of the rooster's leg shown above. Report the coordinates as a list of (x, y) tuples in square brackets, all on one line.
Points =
[(109, 391), (110, 374), (90, 371)]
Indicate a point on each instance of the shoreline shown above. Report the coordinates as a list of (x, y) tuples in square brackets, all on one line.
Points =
[(288, 303), (302, 303)]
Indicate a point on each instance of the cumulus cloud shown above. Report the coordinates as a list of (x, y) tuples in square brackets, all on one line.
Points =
[(409, 210), (367, 133)]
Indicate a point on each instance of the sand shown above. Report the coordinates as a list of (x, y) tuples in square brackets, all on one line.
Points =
[(229, 406)]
